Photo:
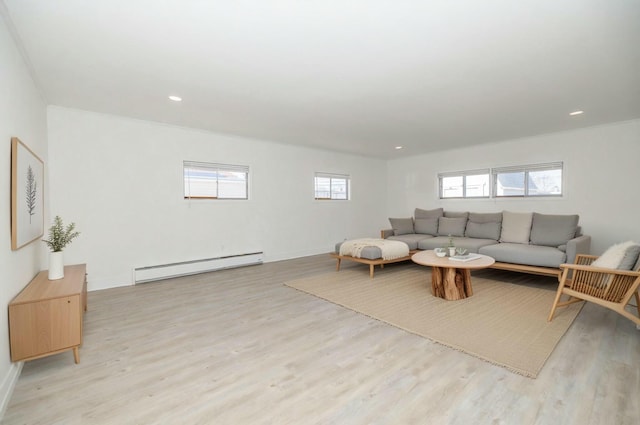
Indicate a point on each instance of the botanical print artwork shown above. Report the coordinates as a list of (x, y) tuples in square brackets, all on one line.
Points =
[(32, 190), (27, 195)]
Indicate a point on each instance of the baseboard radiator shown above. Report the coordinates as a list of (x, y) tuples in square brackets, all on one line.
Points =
[(166, 271)]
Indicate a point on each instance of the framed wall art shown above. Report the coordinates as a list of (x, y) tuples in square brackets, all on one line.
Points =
[(27, 195)]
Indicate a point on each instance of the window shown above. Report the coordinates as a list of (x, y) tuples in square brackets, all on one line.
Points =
[(528, 180), (464, 184), (332, 186), (517, 181), (203, 180)]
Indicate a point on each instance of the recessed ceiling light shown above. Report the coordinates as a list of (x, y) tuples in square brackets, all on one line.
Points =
[(175, 98), (399, 147), (574, 113)]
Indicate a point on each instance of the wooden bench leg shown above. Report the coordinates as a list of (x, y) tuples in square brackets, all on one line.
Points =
[(371, 269), (76, 355), (338, 265)]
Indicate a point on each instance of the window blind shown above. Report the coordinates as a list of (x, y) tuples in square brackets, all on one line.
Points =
[(530, 167), (463, 173), (211, 166)]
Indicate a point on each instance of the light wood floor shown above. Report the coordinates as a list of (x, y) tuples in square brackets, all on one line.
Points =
[(238, 347)]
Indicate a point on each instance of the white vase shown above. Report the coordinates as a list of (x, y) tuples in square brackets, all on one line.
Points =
[(56, 265), (452, 251)]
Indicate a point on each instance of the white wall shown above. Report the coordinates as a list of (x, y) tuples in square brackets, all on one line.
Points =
[(601, 179), (22, 115), (120, 180)]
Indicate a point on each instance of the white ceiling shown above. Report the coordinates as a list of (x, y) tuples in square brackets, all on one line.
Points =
[(358, 76)]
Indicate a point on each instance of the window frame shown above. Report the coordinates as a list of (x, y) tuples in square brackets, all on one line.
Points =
[(464, 175), (331, 177), (493, 180), (527, 169), (216, 168)]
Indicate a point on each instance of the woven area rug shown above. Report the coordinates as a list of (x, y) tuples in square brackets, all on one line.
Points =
[(503, 323)]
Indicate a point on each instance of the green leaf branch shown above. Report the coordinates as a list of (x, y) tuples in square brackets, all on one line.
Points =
[(59, 236), (32, 189)]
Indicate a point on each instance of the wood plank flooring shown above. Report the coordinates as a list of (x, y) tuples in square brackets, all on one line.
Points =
[(238, 347)]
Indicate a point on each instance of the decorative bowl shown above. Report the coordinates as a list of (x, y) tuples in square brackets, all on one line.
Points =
[(440, 252)]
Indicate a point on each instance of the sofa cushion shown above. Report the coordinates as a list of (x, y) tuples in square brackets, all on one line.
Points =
[(470, 244), (428, 226), (456, 214), (516, 227), (485, 217), (517, 253), (483, 230), (452, 226), (621, 256), (368, 252), (484, 226), (411, 240), (420, 213), (553, 230), (401, 226)]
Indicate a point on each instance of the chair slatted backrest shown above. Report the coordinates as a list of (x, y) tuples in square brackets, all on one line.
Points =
[(611, 286)]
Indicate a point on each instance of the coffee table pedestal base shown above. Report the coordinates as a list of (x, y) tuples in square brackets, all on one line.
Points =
[(450, 283)]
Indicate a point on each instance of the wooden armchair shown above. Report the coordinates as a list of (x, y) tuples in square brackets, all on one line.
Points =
[(610, 288)]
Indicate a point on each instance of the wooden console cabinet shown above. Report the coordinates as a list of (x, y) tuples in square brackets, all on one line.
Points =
[(45, 318)]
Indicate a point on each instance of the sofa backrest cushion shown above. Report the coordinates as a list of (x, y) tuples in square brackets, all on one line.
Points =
[(553, 230), (578, 231), (621, 256), (484, 226), (401, 226), (456, 214), (516, 227), (426, 226), (420, 213), (485, 217), (452, 226)]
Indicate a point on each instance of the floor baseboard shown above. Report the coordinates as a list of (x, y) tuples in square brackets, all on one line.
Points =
[(8, 384)]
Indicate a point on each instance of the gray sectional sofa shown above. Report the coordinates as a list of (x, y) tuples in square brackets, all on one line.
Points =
[(519, 241)]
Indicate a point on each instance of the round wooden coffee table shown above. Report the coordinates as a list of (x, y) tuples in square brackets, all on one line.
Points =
[(451, 279)]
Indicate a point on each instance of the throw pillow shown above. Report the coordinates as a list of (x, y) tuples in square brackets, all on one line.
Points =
[(485, 217), (420, 213), (621, 256), (426, 226), (401, 226), (630, 257), (484, 226), (451, 226), (553, 230), (483, 230), (456, 214), (516, 227)]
